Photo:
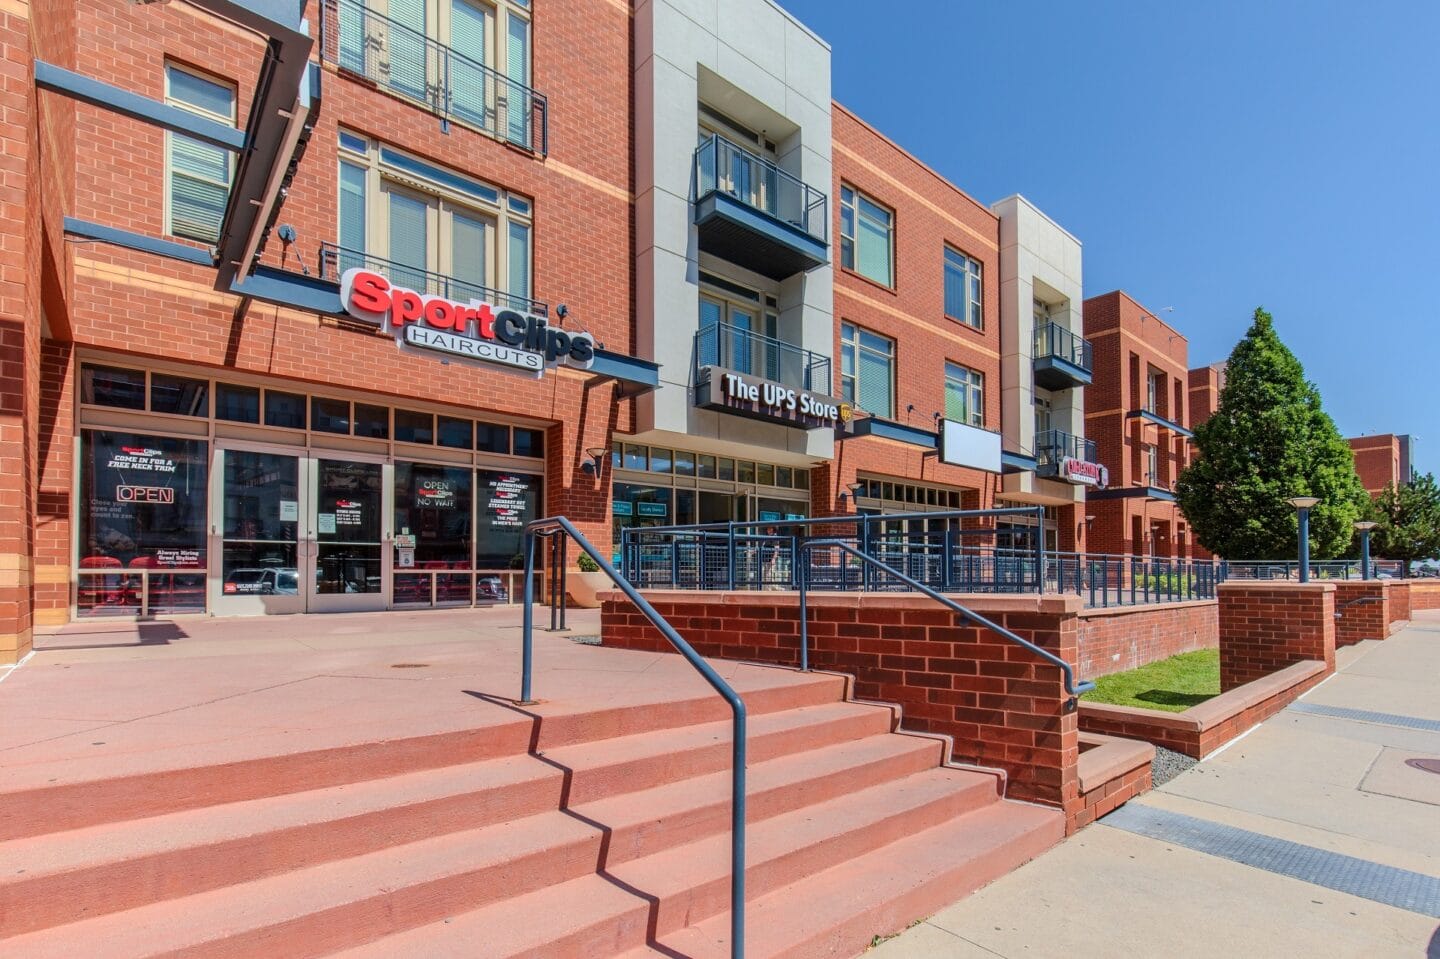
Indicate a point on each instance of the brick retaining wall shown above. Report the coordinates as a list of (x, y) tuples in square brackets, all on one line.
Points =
[(1424, 594), (1266, 626), (1362, 608), (1399, 602), (1120, 638)]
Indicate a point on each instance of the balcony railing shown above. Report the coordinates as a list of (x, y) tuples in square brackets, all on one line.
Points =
[(335, 260), (734, 348), (723, 167), (1054, 340), (404, 61), (1052, 446)]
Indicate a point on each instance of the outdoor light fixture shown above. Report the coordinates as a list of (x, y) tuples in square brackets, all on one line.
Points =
[(1365, 526), (853, 491), (1302, 505), (596, 460)]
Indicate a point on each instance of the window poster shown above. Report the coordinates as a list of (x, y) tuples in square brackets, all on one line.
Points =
[(508, 502), (142, 500)]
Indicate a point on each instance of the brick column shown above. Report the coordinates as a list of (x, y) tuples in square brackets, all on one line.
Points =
[(1362, 610), (1399, 602), (19, 332), (1266, 626)]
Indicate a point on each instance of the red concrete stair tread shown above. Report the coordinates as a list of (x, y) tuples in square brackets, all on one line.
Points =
[(693, 881), (118, 866), (838, 912), (135, 782)]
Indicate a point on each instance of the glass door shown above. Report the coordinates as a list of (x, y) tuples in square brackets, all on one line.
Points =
[(256, 532), (349, 535)]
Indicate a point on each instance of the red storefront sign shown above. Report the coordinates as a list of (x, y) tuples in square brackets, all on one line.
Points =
[(1084, 472)]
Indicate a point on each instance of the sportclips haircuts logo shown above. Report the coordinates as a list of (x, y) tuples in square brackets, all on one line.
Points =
[(472, 331)]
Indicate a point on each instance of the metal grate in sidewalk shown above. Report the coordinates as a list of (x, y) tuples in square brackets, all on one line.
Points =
[(1400, 888), (1368, 716)]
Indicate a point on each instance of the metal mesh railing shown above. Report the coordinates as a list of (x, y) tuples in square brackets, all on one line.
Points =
[(335, 260), (1052, 339), (723, 167), (742, 350)]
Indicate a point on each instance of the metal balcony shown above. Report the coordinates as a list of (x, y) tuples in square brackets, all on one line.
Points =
[(755, 214), (1053, 447), (335, 260), (1062, 359), (407, 63), (734, 348)]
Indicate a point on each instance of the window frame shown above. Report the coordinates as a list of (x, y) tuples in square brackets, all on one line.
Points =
[(850, 203), (853, 343), (972, 278), (169, 171), (971, 383), (443, 202)]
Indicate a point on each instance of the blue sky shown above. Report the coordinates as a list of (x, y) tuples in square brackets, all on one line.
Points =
[(1212, 157)]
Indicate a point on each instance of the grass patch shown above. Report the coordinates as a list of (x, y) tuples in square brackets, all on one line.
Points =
[(1173, 684)]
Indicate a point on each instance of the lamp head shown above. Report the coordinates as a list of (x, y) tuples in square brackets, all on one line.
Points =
[(1366, 525), (1304, 502)]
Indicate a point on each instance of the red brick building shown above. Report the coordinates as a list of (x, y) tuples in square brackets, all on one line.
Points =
[(1382, 460), (1137, 412), (1206, 383)]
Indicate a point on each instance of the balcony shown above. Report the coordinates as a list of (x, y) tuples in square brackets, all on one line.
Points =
[(742, 351), (756, 215), (1147, 414), (1073, 459), (1062, 359), (335, 260), (402, 60)]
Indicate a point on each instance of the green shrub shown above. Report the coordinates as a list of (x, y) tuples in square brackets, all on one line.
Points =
[(586, 564)]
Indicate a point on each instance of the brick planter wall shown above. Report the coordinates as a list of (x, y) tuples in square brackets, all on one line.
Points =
[(1266, 626), (1399, 601), (1363, 610), (1112, 772), (1202, 729), (1424, 594), (1001, 705), (1114, 640)]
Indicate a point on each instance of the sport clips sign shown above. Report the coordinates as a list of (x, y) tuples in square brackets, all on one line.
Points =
[(474, 330)]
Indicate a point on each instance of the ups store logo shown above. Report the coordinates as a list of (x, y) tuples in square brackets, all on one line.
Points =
[(745, 395)]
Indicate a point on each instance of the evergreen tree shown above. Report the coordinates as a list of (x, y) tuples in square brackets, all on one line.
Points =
[(1409, 519), (1268, 441)]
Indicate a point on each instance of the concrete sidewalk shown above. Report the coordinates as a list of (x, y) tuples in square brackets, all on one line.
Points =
[(1255, 844)]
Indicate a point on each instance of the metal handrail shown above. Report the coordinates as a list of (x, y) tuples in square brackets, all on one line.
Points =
[(742, 350), (336, 259), (1072, 687), (724, 167), (1051, 446), (410, 64), (1052, 339), (558, 526)]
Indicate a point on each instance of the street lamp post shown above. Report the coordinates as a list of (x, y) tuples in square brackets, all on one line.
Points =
[(1365, 526), (1302, 505)]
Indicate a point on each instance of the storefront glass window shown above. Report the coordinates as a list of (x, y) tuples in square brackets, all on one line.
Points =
[(142, 506), (727, 469), (529, 442), (492, 438), (455, 433), (414, 427), (107, 386), (284, 409), (684, 463), (239, 404), (639, 506), (262, 512), (433, 504), (707, 467), (747, 472), (329, 416), (507, 502), (372, 421), (347, 527), (659, 460), (179, 395)]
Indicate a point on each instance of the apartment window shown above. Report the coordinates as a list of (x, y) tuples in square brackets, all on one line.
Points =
[(867, 237), (197, 175), (1044, 414), (964, 394), (1154, 389), (1152, 464), (441, 232), (962, 288), (484, 80), (867, 370), (746, 323)]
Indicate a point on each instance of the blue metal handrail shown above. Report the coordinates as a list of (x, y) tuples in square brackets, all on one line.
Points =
[(745, 351), (405, 61), (335, 260), (560, 526), (723, 167), (1072, 687), (1052, 339)]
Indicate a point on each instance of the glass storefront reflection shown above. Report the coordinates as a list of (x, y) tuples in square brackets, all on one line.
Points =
[(347, 526), (261, 517), (508, 501), (433, 505)]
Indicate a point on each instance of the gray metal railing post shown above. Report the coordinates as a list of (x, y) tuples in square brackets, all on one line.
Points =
[(947, 557), (804, 616), (564, 562), (730, 547), (527, 654)]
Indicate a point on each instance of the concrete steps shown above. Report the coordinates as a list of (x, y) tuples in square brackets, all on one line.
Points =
[(561, 839)]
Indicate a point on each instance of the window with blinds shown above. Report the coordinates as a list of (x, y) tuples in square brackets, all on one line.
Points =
[(197, 175), (866, 237), (964, 395), (867, 370), (962, 288)]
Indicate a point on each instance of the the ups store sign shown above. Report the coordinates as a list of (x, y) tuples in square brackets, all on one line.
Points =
[(743, 394)]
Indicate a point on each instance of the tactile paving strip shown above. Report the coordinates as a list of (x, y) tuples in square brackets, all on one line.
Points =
[(1401, 888), (1367, 716)]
